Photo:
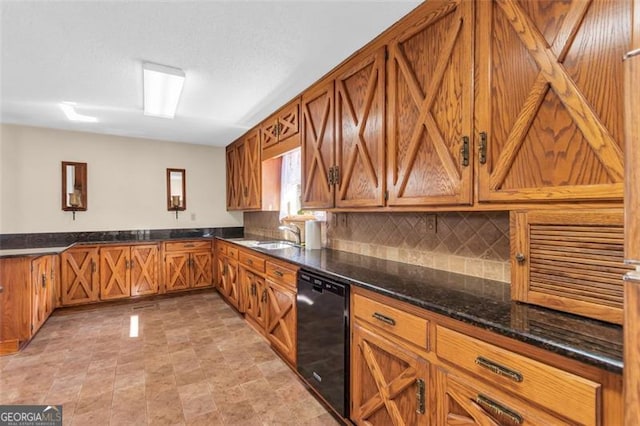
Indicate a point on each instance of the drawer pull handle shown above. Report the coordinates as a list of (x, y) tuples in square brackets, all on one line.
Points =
[(420, 408), (278, 273), (499, 369), (189, 245), (384, 318), (250, 262), (495, 409), (631, 54)]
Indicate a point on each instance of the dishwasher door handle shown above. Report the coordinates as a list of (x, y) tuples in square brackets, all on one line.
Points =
[(317, 289)]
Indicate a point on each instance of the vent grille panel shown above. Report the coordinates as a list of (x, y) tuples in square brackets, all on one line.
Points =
[(580, 262)]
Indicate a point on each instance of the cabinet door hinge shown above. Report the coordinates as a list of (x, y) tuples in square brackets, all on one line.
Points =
[(464, 151), (482, 150)]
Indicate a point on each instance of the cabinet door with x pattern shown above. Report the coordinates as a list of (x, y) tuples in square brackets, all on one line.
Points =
[(549, 106), (114, 272), (144, 270), (79, 276), (430, 107), (201, 269), (388, 382), (360, 113), (177, 271), (317, 146), (282, 319), (251, 170)]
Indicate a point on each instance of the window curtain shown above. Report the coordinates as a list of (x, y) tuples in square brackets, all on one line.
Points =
[(290, 192)]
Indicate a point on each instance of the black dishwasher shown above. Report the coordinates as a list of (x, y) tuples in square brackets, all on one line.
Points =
[(323, 337)]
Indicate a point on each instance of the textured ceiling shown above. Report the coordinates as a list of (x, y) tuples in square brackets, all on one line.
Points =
[(242, 59)]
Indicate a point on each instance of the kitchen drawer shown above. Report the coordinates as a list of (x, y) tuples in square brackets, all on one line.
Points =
[(282, 273), (221, 248), (187, 245), (463, 400), (232, 251), (566, 394), (251, 260), (402, 324)]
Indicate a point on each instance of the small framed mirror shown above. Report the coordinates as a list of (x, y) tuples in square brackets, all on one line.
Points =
[(74, 186), (176, 189)]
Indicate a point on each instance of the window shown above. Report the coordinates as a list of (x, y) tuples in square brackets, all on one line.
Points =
[(291, 187)]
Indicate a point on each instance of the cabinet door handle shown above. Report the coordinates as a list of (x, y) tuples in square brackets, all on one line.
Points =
[(631, 54), (1, 289), (93, 266), (498, 369), (520, 257), (482, 150), (420, 408), (464, 151), (384, 318), (44, 280), (498, 410), (131, 263), (253, 289), (264, 296)]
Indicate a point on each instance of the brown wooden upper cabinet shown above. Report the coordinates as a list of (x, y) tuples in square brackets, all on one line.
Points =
[(497, 101), (549, 105), (244, 173), (431, 106), (281, 132), (317, 146), (345, 168)]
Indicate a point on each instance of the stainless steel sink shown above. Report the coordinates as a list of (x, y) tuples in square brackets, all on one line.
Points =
[(274, 245)]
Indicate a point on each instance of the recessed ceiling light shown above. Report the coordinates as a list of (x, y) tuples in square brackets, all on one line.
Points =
[(69, 109), (162, 89)]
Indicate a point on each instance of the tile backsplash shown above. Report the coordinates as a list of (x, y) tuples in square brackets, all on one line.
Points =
[(470, 243)]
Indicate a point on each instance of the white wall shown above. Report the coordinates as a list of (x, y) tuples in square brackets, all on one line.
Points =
[(126, 182)]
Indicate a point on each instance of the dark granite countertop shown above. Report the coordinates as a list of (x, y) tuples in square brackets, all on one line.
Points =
[(480, 302), (39, 244)]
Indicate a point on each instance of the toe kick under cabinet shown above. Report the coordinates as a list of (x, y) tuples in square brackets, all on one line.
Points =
[(413, 367)]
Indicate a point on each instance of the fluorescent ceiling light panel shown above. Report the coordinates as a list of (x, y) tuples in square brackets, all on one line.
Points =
[(162, 89), (69, 109)]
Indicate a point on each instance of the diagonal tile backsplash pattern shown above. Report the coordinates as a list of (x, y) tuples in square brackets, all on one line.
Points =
[(470, 243)]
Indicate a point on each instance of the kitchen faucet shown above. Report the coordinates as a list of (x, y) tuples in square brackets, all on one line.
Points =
[(294, 230)]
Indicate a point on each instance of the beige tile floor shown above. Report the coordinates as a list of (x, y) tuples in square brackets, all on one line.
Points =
[(195, 361)]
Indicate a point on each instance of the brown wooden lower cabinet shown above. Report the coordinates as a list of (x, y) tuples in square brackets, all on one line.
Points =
[(27, 298), (282, 319), (43, 294), (79, 279), (389, 382), (128, 271), (144, 269), (229, 284), (187, 265), (254, 297)]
